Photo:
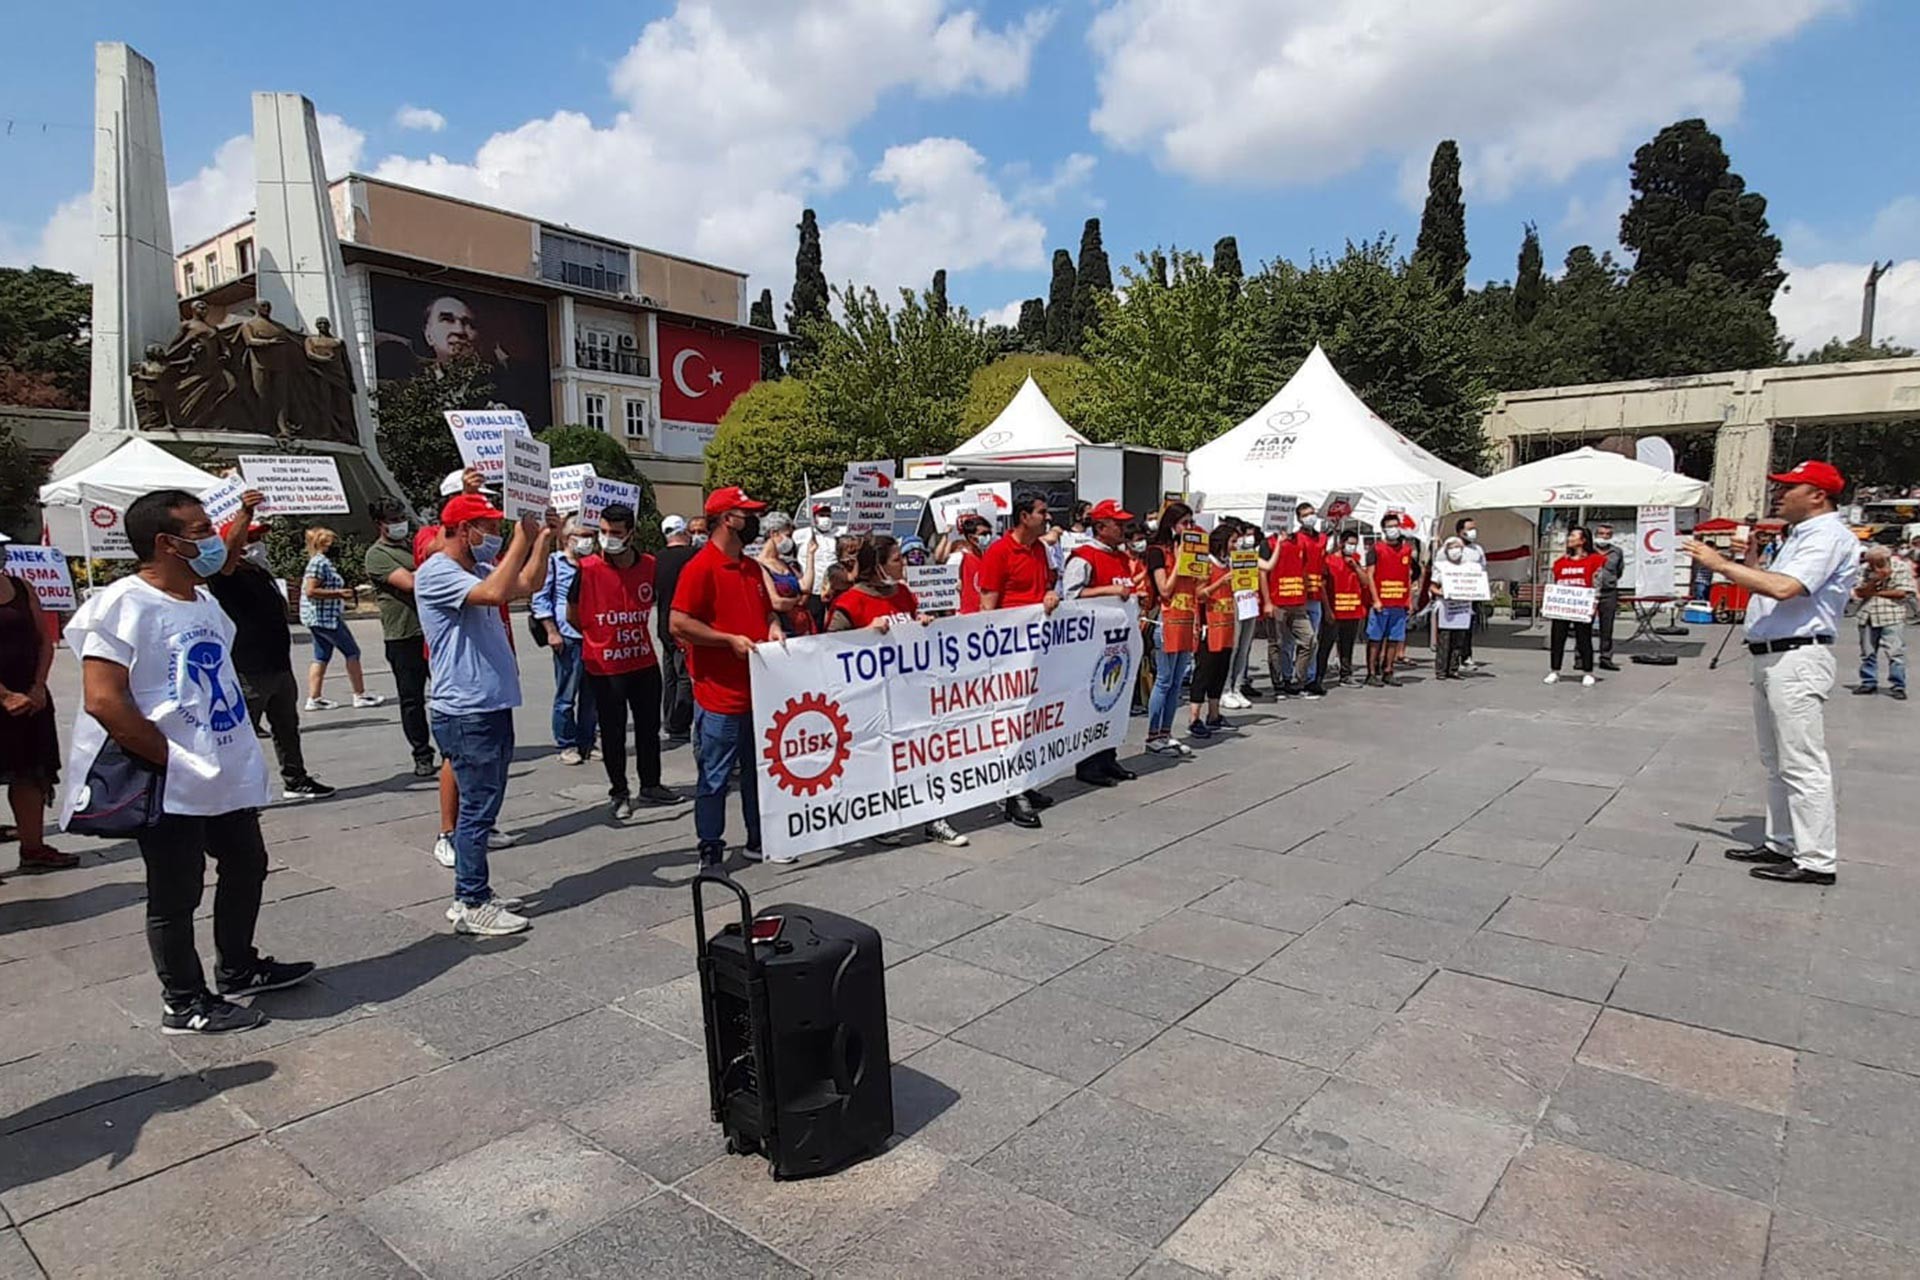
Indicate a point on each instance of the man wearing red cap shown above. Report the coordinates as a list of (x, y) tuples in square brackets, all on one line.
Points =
[(1792, 620), (720, 611), (1016, 571), (1102, 570)]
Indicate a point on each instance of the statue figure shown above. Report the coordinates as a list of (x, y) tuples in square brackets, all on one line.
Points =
[(203, 388), (331, 386), (274, 358), (193, 328), (149, 389)]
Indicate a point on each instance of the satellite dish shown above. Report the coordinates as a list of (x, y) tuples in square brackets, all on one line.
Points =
[(1654, 451)]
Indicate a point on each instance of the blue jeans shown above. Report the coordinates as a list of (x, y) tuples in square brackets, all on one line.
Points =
[(1169, 672), (1895, 640), (720, 744), (1313, 650), (575, 717), (479, 747)]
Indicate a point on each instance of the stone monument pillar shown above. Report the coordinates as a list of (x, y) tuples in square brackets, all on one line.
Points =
[(1742, 456)]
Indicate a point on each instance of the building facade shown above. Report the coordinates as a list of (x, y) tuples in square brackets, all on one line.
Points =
[(575, 328)]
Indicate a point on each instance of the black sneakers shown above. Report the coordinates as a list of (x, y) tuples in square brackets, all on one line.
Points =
[(208, 1015), (307, 788), (266, 974)]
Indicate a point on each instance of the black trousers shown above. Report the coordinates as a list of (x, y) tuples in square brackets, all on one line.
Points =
[(1342, 632), (612, 696), (1452, 651), (1465, 644), (1210, 675), (1609, 608), (273, 697), (1582, 643), (676, 691), (176, 851), (408, 660)]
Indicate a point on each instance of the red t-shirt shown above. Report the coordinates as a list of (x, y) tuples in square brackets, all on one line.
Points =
[(611, 606), (730, 596), (863, 607), (1022, 575), (1578, 571)]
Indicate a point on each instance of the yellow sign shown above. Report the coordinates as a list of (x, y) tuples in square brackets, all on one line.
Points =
[(1191, 560), (1246, 570)]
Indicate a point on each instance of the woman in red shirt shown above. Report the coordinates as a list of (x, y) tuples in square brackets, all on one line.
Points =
[(1216, 648), (878, 597), (1576, 569)]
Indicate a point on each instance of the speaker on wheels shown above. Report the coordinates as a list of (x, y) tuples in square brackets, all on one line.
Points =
[(795, 1005)]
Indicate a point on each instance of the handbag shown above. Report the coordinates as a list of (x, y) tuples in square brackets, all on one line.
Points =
[(123, 794)]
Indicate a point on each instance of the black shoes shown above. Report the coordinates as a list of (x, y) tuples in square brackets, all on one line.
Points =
[(1040, 800), (1607, 664), (1119, 772), (1094, 776), (1793, 873), (308, 788), (1759, 853), (266, 974), (424, 769), (1020, 813), (1248, 692), (620, 808), (712, 859), (1899, 695), (1315, 689), (657, 794), (1867, 690), (208, 1015)]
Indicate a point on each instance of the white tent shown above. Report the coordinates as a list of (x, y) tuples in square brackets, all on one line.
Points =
[(1315, 437), (1584, 478), (136, 467), (1028, 431)]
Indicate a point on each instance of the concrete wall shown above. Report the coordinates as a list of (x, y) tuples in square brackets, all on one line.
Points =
[(466, 235), (691, 287)]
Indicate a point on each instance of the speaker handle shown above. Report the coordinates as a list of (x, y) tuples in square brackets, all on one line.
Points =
[(844, 1077), (746, 917)]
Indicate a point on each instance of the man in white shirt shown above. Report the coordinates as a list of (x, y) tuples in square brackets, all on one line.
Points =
[(1471, 553), (160, 689), (1792, 620)]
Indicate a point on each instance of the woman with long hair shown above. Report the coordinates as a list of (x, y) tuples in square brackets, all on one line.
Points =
[(1575, 567), (1215, 654), (1177, 635), (323, 597)]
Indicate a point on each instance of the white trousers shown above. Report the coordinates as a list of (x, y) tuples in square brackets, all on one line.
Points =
[(1789, 698)]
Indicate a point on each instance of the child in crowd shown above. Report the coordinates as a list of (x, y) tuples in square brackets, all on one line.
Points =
[(1453, 618)]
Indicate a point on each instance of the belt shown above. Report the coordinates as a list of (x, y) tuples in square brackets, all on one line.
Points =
[(1781, 646)]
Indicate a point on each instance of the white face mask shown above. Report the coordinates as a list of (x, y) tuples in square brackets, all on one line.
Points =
[(583, 546), (1353, 548), (1248, 544), (613, 546), (1139, 546), (1603, 540), (1471, 535), (1455, 554), (1393, 535), (1310, 523), (397, 531), (699, 539), (982, 539), (823, 523)]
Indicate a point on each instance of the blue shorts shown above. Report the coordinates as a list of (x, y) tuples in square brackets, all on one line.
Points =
[(1387, 624), (327, 639)]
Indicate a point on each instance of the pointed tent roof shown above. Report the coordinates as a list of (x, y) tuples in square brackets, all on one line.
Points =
[(1586, 477), (1315, 437), (136, 467), (1028, 429)]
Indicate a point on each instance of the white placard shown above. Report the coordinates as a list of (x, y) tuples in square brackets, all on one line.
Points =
[(994, 501), (524, 483), (564, 486), (859, 733), (948, 508), (1341, 504), (105, 536), (480, 435), (869, 504), (599, 493), (1279, 514), (1568, 602), (1464, 582), (935, 586), (305, 484), (1655, 554), (223, 503), (45, 570), (884, 470), (1246, 605), (685, 439)]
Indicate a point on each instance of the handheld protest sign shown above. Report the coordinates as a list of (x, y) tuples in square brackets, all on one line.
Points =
[(295, 484)]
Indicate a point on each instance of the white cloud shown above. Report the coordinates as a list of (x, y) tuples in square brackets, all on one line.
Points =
[(1008, 315), (1823, 301), (1069, 178), (1893, 232), (423, 118), (1267, 92)]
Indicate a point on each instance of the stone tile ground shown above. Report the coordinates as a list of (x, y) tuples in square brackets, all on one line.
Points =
[(1442, 981)]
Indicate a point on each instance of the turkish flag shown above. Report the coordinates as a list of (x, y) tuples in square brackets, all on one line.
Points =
[(701, 373)]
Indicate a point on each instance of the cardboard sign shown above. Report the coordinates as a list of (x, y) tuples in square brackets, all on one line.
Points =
[(883, 470), (525, 482), (599, 493), (869, 503), (1190, 559), (1341, 504), (949, 508), (480, 435), (1566, 602), (1279, 513), (1464, 582), (45, 570), (564, 485), (223, 503), (105, 535), (1246, 570), (935, 586), (1657, 552), (295, 484), (994, 501), (1246, 605)]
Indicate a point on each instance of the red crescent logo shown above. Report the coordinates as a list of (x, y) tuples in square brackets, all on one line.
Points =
[(1553, 496), (1647, 542)]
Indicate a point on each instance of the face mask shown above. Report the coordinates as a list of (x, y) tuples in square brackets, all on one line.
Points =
[(749, 528), (1353, 548), (916, 557), (823, 523), (211, 555), (1139, 546), (583, 546), (1471, 535), (784, 548), (1248, 544), (699, 539), (1603, 541), (613, 546), (1455, 554), (982, 539), (1393, 535), (396, 531), (256, 554), (1310, 523), (489, 549)]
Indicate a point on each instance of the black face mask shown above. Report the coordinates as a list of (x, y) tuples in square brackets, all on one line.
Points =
[(749, 528)]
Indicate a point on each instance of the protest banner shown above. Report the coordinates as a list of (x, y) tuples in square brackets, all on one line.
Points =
[(480, 435), (858, 733), (1279, 513), (1464, 582), (599, 493), (295, 484), (104, 535), (564, 486), (1566, 602), (1341, 504), (524, 484), (45, 570), (935, 586), (1190, 558), (1657, 553), (1246, 569), (223, 503), (994, 501)]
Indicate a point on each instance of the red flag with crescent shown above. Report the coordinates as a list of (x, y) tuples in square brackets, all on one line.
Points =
[(701, 373)]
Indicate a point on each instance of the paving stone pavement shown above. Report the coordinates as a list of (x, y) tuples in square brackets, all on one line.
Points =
[(1437, 981)]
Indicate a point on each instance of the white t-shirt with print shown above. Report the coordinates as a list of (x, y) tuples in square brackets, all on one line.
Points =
[(179, 660)]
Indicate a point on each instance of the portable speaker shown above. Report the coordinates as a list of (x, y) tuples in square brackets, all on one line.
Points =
[(795, 1004)]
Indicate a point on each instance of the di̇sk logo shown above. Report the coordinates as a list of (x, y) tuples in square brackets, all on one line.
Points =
[(226, 706), (1110, 671), (807, 744), (705, 379), (104, 517)]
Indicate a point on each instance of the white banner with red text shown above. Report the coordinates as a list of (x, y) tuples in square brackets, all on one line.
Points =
[(859, 733)]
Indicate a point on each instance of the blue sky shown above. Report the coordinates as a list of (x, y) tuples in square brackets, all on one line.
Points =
[(977, 137)]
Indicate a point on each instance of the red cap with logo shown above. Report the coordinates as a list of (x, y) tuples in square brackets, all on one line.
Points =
[(1108, 509), (469, 506), (1821, 475), (731, 498)]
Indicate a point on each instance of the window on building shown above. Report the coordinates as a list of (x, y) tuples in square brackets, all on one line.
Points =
[(594, 350), (583, 263), (188, 284), (213, 269), (636, 419), (596, 411), (243, 256)]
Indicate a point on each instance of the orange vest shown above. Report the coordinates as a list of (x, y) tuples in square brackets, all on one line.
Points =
[(1221, 611), (1179, 612)]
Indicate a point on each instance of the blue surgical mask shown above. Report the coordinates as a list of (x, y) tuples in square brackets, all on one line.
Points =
[(212, 555), (489, 549)]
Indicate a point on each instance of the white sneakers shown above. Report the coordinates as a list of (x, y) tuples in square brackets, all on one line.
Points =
[(1235, 701), (443, 851), (368, 699), (1587, 681), (321, 704), (488, 920), (1168, 747), (571, 756), (1553, 677), (940, 831), (500, 900)]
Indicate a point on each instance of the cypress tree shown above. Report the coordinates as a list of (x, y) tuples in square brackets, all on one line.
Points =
[(810, 298), (1226, 262), (1033, 324), (1157, 263), (937, 300), (760, 316), (1061, 332), (1095, 277), (1691, 209), (1442, 247), (1530, 285)]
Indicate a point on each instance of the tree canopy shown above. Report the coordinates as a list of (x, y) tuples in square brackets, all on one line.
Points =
[(1690, 209), (412, 427), (1065, 379), (808, 306), (1442, 247), (45, 322)]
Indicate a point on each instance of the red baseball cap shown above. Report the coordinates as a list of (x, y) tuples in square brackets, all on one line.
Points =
[(464, 507), (731, 498), (1108, 509), (1821, 475)]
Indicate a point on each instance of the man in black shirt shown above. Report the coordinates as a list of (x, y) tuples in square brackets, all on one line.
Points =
[(676, 684), (246, 589)]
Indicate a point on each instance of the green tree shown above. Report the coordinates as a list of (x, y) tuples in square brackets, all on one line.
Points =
[(890, 381), (1093, 282), (1657, 330), (1157, 265), (937, 297), (769, 444), (810, 304), (20, 481), (1843, 350), (1226, 263), (1690, 209), (1530, 284), (1063, 334), (1033, 324), (411, 425), (1442, 247), (45, 322), (760, 316), (1067, 381), (573, 444)]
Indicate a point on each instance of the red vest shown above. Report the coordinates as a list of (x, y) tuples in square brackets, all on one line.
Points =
[(1110, 567), (863, 607), (1344, 585), (1289, 580), (1393, 573), (612, 608)]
